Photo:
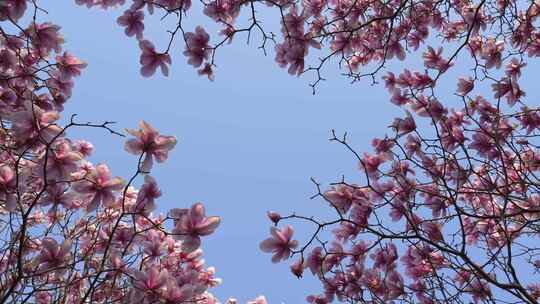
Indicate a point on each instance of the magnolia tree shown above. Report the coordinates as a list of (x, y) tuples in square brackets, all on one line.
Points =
[(70, 231), (447, 209)]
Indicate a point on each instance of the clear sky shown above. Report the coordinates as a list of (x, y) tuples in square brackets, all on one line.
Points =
[(248, 142)]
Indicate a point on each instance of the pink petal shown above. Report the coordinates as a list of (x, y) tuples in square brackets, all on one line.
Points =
[(208, 226), (268, 245)]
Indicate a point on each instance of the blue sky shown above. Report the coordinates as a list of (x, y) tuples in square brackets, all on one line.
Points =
[(248, 142)]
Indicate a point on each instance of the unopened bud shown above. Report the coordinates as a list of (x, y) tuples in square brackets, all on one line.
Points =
[(273, 216)]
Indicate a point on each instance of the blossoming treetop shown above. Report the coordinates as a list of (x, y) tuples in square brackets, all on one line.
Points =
[(446, 211)]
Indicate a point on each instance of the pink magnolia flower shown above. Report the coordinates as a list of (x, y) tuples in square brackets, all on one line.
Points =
[(224, 11), (13, 9), (318, 299), (313, 7), (46, 36), (398, 98), (404, 125), (197, 48), (147, 194), (62, 160), (413, 145), (175, 294), (33, 122), (43, 297), (479, 289), (57, 194), (343, 196), (84, 147), (148, 140), (59, 85), (297, 268), (390, 81), (7, 188), (280, 243), (315, 261), (69, 65), (397, 210), (394, 285), (207, 70), (292, 52), (492, 53), (530, 120), (433, 59), (347, 231), (154, 245), (176, 4), (509, 89), (8, 60), (100, 186), (150, 59), (433, 231), (150, 280), (293, 23), (132, 20), (534, 290), (191, 224), (385, 258), (513, 68), (395, 49), (360, 214), (373, 280), (383, 147), (124, 235), (7, 96), (421, 261), (370, 163), (482, 143), (52, 254)]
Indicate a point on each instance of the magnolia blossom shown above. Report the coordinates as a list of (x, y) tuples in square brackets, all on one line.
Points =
[(62, 161), (148, 140), (197, 48), (46, 35), (150, 59), (280, 243), (343, 196), (59, 194), (147, 194), (100, 186), (7, 188), (191, 224), (133, 23), (69, 65), (53, 255), (32, 122), (465, 85), (13, 9), (150, 280), (404, 125)]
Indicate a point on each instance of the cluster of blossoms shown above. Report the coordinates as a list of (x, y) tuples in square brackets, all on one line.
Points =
[(442, 217), (70, 231), (360, 33), (449, 207)]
